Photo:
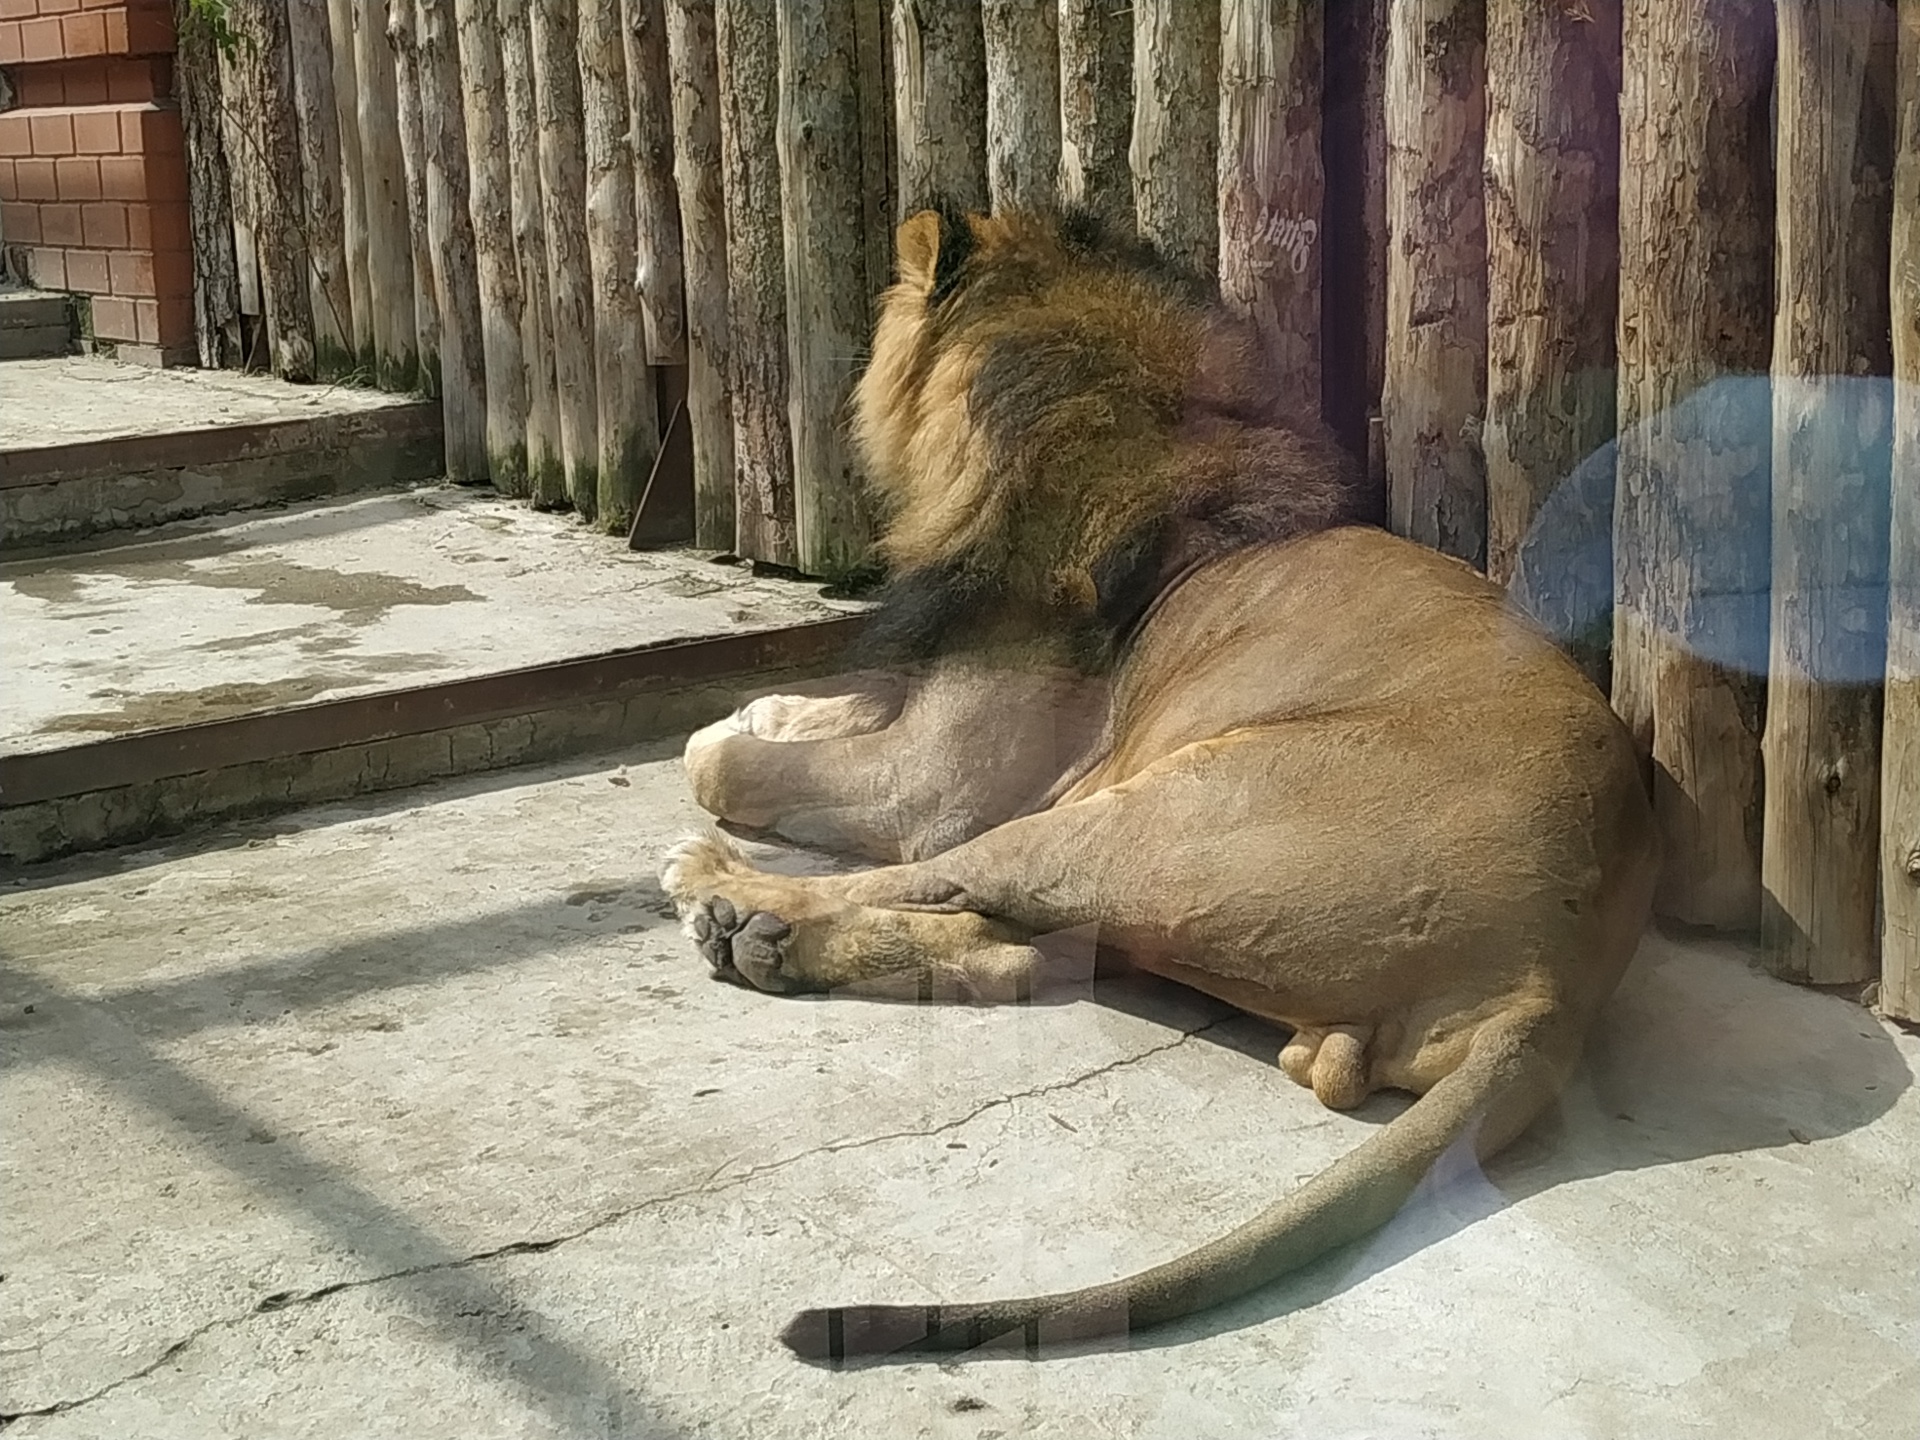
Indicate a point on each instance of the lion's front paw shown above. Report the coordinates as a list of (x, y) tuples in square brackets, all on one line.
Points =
[(744, 948)]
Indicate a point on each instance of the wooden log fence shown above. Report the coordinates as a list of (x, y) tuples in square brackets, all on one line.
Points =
[(1618, 300)]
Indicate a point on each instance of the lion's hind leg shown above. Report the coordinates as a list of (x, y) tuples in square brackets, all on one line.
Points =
[(788, 934)]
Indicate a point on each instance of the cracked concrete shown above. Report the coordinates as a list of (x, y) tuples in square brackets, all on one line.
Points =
[(415, 1116)]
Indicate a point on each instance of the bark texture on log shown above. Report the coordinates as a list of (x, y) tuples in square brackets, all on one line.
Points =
[(1900, 752), (1832, 428), (747, 37), (824, 209), (1023, 101), (310, 48), (216, 280), (1096, 107), (396, 343), (628, 425), (703, 228), (270, 158), (1553, 291), (403, 41), (563, 189), (1176, 126), (661, 277), (1691, 505), (1434, 392), (489, 149), (353, 185), (1271, 184), (546, 462), (1354, 243), (940, 104), (463, 370)]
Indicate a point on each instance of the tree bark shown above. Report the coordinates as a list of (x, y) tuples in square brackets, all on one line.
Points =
[(1096, 107), (563, 188), (396, 342), (824, 212), (629, 429), (662, 279), (271, 160), (489, 150), (1272, 186), (546, 464), (1354, 241), (310, 48), (1691, 503), (463, 370), (703, 228), (404, 43), (1434, 394), (1820, 856), (940, 105), (747, 38), (1900, 753), (1023, 102), (1176, 127), (1553, 291), (353, 185), (216, 281)]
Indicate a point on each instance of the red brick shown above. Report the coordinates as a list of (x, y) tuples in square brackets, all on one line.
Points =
[(78, 177), (167, 177), (96, 132), (58, 7), (123, 177), (86, 84), (129, 80), (20, 222), (8, 190), (154, 130), (40, 85), (11, 47), (47, 269), (101, 4), (39, 40), (60, 225), (34, 180), (114, 319), (52, 134), (16, 135), (149, 29), (159, 226), (84, 34), (87, 270), (131, 273), (18, 9), (166, 321), (103, 224)]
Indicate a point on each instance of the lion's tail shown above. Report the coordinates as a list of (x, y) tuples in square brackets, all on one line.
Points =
[(1514, 1068)]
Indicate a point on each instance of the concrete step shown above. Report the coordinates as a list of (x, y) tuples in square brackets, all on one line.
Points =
[(226, 666), (34, 324)]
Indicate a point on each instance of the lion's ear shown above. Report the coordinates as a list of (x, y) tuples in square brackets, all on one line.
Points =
[(930, 248)]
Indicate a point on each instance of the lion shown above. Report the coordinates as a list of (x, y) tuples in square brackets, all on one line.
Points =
[(1140, 667)]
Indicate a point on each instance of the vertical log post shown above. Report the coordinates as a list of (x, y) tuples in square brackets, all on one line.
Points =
[(628, 426), (546, 464), (703, 229), (1354, 242), (489, 149), (940, 105), (563, 190), (662, 279), (389, 243), (1023, 101), (1553, 291), (404, 55), (270, 160), (1096, 107), (1820, 857), (353, 185), (1900, 746), (823, 206), (747, 38), (1436, 377), (310, 46), (216, 280), (463, 370), (1176, 128), (1690, 504), (1271, 184)]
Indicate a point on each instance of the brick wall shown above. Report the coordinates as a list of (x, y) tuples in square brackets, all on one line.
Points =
[(93, 176)]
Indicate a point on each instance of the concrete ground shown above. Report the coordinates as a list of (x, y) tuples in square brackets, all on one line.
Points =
[(415, 1117), (204, 619), (87, 397)]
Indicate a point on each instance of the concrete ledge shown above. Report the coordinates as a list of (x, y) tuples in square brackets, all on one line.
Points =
[(62, 492)]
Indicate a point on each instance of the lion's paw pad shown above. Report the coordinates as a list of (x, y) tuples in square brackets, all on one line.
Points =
[(744, 948)]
